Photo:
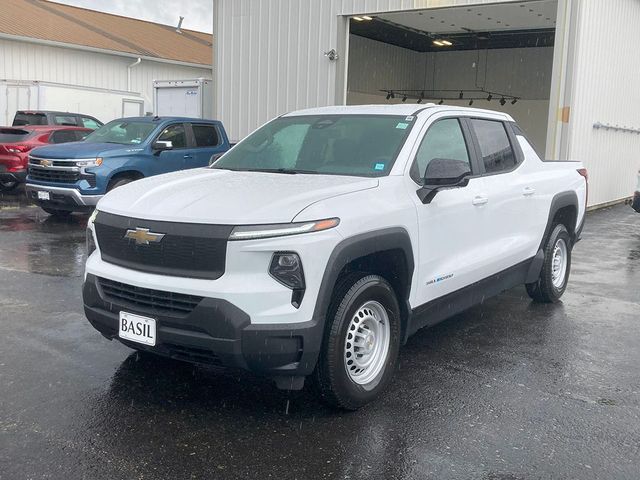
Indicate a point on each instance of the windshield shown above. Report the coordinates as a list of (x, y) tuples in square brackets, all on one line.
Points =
[(359, 145), (123, 132), (23, 118), (8, 135)]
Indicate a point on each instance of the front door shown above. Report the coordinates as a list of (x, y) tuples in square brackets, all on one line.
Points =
[(180, 153), (451, 231)]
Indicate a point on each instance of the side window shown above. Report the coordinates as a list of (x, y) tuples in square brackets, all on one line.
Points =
[(443, 147), (495, 148), (68, 120), (81, 135), (174, 134), (206, 135), (63, 136), (91, 123)]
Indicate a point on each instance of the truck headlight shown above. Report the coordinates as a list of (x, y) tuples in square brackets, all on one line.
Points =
[(91, 244), (252, 232), (286, 268), (90, 162)]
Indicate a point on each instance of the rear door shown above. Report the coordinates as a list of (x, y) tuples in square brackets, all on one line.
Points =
[(207, 141), (181, 151), (63, 136), (509, 217)]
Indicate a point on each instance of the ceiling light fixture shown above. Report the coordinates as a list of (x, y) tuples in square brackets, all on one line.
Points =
[(446, 43), (367, 17), (438, 43), (358, 19)]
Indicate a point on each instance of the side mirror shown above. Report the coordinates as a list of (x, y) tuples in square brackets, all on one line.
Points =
[(161, 145), (441, 174)]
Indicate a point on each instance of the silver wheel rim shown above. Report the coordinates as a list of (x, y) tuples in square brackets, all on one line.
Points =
[(559, 263), (367, 344)]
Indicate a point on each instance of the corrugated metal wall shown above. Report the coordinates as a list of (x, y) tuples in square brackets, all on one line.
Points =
[(605, 89), (28, 61), (269, 54)]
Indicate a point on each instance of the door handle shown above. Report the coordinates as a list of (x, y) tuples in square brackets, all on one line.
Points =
[(479, 200), (187, 156), (528, 191)]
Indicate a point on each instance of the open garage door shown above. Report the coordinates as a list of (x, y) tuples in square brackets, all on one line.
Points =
[(498, 57)]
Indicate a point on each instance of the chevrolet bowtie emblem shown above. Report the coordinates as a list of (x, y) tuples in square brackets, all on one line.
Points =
[(143, 236), (46, 163)]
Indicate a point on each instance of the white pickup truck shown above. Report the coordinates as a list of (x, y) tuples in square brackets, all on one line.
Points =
[(321, 242)]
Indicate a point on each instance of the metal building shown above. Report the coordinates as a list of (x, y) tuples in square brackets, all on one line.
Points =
[(565, 69), (76, 52)]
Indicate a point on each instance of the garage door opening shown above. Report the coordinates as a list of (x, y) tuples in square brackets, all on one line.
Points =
[(498, 57)]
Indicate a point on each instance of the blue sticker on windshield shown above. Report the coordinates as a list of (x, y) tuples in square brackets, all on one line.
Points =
[(379, 166), (402, 125)]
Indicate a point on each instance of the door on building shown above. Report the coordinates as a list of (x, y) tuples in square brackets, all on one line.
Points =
[(132, 108)]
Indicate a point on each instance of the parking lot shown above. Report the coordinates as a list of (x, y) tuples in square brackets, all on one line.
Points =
[(507, 390)]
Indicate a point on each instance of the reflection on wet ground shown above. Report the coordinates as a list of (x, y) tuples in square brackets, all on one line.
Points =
[(36, 242), (507, 390)]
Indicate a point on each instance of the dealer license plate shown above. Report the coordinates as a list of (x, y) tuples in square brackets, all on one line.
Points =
[(44, 195), (137, 328)]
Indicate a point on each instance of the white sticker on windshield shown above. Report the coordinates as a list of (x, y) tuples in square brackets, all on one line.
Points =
[(402, 125), (409, 118)]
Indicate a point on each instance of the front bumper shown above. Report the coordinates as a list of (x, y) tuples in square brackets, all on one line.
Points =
[(216, 332), (63, 198)]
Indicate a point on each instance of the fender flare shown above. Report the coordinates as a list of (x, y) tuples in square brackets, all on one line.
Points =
[(561, 200), (358, 246)]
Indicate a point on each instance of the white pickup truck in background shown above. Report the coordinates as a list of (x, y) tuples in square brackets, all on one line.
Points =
[(321, 242)]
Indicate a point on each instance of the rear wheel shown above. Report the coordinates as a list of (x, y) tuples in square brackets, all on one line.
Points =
[(361, 343), (556, 267), (56, 212)]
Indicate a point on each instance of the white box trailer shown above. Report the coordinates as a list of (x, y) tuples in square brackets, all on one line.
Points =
[(183, 98), (103, 104)]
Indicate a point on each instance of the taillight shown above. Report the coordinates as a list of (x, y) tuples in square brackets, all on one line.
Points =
[(18, 148), (583, 172)]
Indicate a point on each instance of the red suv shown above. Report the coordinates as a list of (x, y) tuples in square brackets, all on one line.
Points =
[(16, 142)]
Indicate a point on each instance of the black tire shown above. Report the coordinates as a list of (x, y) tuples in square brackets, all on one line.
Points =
[(544, 290), (7, 186), (334, 384), (57, 213), (118, 182)]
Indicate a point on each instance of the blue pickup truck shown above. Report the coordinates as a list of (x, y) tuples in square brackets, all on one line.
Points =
[(72, 177)]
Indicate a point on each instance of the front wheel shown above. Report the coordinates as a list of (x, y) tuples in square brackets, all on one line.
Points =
[(56, 212), (361, 343), (6, 186), (556, 267)]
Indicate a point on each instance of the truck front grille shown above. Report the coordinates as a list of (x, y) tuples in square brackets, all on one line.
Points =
[(185, 249), (147, 300), (54, 176)]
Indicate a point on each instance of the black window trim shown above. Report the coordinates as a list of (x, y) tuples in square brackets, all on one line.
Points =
[(187, 131), (205, 124), (466, 134), (513, 142)]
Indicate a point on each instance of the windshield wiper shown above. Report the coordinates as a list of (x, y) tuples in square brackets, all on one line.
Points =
[(286, 171)]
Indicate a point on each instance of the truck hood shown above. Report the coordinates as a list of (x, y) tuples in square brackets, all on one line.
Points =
[(83, 150), (225, 197)]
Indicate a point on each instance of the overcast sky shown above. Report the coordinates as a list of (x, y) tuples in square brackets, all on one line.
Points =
[(198, 14)]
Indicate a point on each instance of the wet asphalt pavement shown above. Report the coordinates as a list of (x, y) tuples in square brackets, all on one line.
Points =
[(508, 390)]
